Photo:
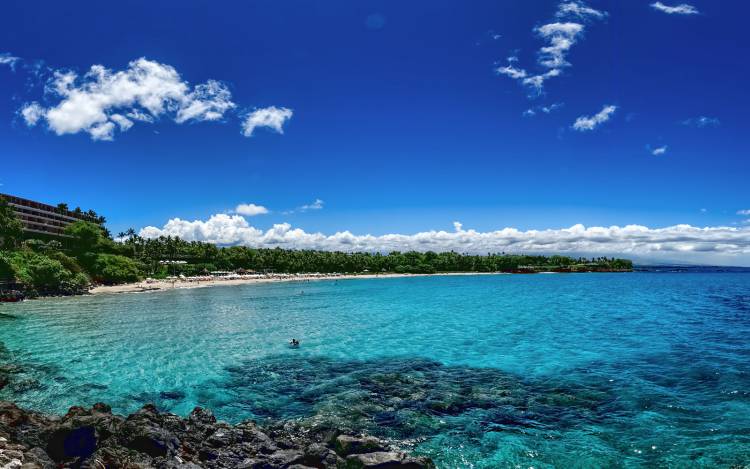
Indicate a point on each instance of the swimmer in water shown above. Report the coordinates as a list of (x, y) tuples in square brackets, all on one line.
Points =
[(294, 343)]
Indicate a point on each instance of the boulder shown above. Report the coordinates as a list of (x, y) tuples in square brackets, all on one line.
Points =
[(346, 445), (11, 415), (386, 460), (36, 458), (71, 442)]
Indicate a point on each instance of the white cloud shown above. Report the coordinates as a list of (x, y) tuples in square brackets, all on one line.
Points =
[(659, 150), (543, 109), (679, 241), (560, 37), (9, 60), (137, 115), (681, 9), (317, 205), (31, 113), (272, 117), (587, 123), (207, 102), (122, 121), (251, 210), (144, 91), (702, 121), (578, 9), (102, 131), (743, 212), (511, 71)]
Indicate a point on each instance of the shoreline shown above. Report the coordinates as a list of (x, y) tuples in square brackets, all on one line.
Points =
[(187, 283), (95, 437)]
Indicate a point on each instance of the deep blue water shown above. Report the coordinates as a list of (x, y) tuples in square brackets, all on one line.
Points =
[(582, 370)]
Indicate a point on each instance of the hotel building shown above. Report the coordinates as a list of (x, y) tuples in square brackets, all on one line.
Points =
[(39, 218)]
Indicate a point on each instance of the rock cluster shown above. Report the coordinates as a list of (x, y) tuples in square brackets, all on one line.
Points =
[(96, 438)]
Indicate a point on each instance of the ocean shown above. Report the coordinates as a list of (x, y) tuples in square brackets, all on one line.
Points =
[(639, 369)]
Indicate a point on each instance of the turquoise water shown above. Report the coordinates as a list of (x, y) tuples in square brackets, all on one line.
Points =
[(585, 370)]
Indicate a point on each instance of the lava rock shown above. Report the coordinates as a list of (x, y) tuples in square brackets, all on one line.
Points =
[(346, 445), (148, 438), (70, 443), (385, 460), (37, 458)]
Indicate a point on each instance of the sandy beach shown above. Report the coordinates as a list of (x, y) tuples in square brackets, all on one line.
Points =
[(201, 282)]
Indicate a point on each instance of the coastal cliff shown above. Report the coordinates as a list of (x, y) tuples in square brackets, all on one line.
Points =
[(96, 438)]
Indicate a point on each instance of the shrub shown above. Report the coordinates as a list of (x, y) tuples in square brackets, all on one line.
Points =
[(7, 270), (112, 269), (68, 262)]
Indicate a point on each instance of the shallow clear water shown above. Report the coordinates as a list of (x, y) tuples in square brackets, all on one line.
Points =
[(585, 370)]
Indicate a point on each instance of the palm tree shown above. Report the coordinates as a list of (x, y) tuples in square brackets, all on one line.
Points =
[(62, 208)]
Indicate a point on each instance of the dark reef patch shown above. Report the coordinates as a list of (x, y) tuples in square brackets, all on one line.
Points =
[(17, 378), (404, 398)]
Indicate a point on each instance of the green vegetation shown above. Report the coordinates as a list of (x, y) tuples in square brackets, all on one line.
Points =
[(11, 229), (203, 257), (61, 267), (88, 254)]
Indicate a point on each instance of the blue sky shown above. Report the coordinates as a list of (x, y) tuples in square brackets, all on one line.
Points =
[(397, 117)]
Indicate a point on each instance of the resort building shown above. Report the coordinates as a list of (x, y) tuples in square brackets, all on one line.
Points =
[(39, 218)]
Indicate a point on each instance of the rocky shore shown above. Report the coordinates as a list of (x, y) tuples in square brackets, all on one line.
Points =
[(96, 438)]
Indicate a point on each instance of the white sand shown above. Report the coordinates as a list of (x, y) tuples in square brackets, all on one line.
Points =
[(157, 285)]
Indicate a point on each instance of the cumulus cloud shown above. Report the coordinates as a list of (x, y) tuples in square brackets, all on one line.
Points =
[(251, 210), (207, 102), (103, 100), (588, 123), (702, 121), (9, 60), (560, 36), (659, 151), (631, 240), (31, 113), (272, 117), (681, 9)]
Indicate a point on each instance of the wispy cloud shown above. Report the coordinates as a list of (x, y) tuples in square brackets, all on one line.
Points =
[(7, 59), (678, 240), (578, 9), (250, 210), (316, 205), (659, 150), (681, 9), (531, 112), (272, 117), (588, 123), (744, 212), (560, 36), (702, 121)]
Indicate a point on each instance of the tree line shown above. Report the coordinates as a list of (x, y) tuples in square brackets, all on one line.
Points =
[(88, 254)]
